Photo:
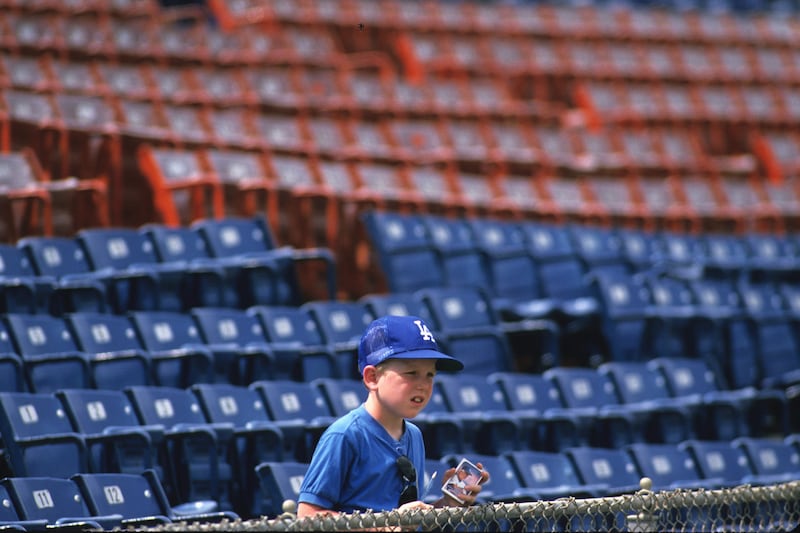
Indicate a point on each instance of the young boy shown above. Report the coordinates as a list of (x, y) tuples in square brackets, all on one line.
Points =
[(373, 457)]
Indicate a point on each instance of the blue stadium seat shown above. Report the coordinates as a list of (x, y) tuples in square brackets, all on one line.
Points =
[(179, 357), (256, 438), (551, 475), (115, 354), (726, 414), (21, 289), (775, 360), (140, 500), (395, 303), (669, 419), (38, 439), (488, 427), (10, 519), (228, 281), (341, 323), (342, 395), (586, 390), (12, 372), (642, 250), (77, 287), (407, 260), (300, 410), (669, 466), (467, 327), (623, 317), (280, 482), (50, 357), (251, 239), (237, 342), (133, 278), (58, 501), (612, 468), (600, 250), (116, 440), (300, 350), (772, 460), (546, 423), (461, 260), (195, 453), (670, 317), (563, 277), (723, 460)]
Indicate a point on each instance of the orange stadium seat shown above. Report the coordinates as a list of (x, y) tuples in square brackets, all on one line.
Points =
[(25, 72), (247, 190), (183, 190), (233, 127)]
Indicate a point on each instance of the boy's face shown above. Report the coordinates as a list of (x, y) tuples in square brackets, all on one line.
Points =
[(404, 386)]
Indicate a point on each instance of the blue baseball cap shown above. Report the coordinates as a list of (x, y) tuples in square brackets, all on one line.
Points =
[(401, 337)]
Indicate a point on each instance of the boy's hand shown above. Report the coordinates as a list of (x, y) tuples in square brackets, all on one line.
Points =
[(474, 489)]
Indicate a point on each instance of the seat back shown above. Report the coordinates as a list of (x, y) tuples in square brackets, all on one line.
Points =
[(55, 256), (398, 304), (461, 260), (404, 252), (127, 495), (720, 459), (175, 243), (342, 395), (771, 457), (279, 482), (233, 236), (342, 324), (635, 381), (685, 376), (93, 411), (604, 466), (528, 391), (165, 406), (228, 326), (115, 248), (165, 330), (50, 355), (292, 400), (582, 387), (232, 404), (668, 465), (298, 342), (48, 498), (457, 308), (470, 393), (38, 438), (544, 471)]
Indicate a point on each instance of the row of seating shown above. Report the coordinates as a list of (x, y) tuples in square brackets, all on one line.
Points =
[(723, 298), (119, 499), (635, 20), (423, 52), (205, 441), (230, 262), (588, 472), (96, 501)]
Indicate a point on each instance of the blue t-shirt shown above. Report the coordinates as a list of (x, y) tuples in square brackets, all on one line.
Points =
[(354, 465)]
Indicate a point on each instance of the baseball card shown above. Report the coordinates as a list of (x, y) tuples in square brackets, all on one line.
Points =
[(466, 474)]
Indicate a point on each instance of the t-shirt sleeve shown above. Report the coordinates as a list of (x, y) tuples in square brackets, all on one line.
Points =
[(328, 471)]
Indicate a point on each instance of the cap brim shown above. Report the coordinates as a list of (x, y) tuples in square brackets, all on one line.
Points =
[(444, 362)]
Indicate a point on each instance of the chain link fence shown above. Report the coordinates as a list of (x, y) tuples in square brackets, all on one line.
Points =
[(744, 508)]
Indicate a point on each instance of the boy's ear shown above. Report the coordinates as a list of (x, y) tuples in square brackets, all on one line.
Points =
[(370, 376)]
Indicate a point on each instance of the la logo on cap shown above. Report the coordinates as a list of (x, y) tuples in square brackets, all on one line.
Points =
[(424, 331)]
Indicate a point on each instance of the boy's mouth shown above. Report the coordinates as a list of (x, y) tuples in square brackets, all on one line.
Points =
[(418, 399)]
